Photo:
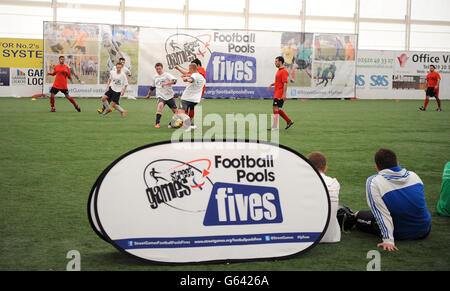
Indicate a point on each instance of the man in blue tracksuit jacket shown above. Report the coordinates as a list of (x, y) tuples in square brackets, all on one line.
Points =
[(397, 203)]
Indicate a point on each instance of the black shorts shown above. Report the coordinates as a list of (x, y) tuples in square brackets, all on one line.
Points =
[(431, 92), (278, 102), (171, 103), (55, 91), (187, 105), (113, 96)]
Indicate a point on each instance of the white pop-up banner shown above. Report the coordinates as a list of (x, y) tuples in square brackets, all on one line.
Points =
[(399, 74), (198, 201)]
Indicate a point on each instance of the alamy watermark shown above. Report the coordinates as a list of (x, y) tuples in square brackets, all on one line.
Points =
[(375, 260), (75, 260), (213, 128)]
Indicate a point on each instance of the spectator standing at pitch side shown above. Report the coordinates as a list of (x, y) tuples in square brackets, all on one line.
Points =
[(432, 88)]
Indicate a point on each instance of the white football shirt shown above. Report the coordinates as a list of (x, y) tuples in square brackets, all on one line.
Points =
[(118, 81), (124, 69), (193, 91), (165, 92), (333, 232)]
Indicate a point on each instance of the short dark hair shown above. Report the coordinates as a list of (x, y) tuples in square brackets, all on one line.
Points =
[(385, 159), (121, 59), (159, 65), (280, 58), (61, 57), (434, 67), (318, 160), (119, 64), (197, 62)]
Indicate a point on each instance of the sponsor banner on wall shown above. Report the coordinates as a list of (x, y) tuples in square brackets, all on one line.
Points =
[(241, 63), (238, 63), (91, 52), (399, 75), (20, 67), (198, 201)]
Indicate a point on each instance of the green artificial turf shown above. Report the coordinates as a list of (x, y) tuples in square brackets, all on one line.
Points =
[(49, 162)]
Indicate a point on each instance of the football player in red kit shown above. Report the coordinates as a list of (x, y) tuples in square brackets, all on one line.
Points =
[(279, 96), (432, 88), (62, 72)]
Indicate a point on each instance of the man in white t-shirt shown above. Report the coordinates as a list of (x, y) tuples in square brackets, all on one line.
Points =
[(125, 69), (191, 95), (163, 82), (127, 72), (115, 88), (333, 232)]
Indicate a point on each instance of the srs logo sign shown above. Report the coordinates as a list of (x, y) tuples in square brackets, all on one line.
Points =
[(359, 80), (232, 204), (230, 68), (375, 80), (379, 80)]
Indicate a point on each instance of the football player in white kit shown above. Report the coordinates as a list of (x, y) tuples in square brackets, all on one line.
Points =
[(191, 95), (127, 73), (115, 88), (162, 82)]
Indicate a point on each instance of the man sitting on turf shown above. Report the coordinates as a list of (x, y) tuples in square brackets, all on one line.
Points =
[(397, 200), (333, 232)]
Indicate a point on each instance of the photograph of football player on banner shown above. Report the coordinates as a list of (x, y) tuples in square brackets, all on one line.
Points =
[(119, 42), (319, 65), (79, 44), (91, 51), (297, 50)]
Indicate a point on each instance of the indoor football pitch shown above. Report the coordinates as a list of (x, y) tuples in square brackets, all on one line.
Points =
[(50, 161)]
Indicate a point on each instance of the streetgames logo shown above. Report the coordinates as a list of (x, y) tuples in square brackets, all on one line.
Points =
[(184, 48), (178, 184)]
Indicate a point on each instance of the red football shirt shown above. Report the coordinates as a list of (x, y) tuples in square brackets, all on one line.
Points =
[(281, 78), (202, 72), (62, 72), (432, 79)]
